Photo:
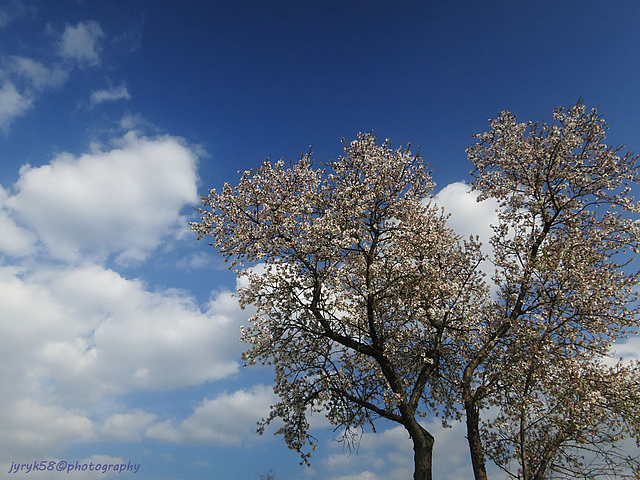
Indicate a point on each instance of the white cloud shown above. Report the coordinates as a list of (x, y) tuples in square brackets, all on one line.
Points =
[(24, 79), (629, 351), (110, 95), (452, 460), (72, 337), (468, 216), (14, 240), (122, 201), (31, 428), (128, 338), (127, 427), (227, 419), (29, 318), (366, 475), (80, 43), (13, 104)]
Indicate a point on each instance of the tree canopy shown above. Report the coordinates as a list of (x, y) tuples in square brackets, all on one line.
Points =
[(369, 306), (562, 253)]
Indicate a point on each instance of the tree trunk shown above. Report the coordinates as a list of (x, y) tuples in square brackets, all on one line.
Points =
[(422, 452), (473, 437)]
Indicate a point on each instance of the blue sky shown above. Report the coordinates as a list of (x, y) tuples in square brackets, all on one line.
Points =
[(118, 331)]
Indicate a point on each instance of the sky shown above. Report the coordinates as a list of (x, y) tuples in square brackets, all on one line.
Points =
[(119, 332)]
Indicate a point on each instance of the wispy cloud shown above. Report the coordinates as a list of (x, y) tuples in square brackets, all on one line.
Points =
[(37, 75), (11, 10), (23, 79), (80, 43), (13, 104), (110, 95)]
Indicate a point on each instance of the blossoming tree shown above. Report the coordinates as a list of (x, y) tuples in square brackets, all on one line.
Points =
[(369, 307), (567, 290), (364, 296)]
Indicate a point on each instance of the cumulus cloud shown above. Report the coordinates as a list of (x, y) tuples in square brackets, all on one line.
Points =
[(80, 43), (468, 216), (14, 240), (29, 318), (75, 334), (123, 201), (123, 337), (36, 426), (109, 95), (227, 419), (72, 337), (127, 427), (32, 429)]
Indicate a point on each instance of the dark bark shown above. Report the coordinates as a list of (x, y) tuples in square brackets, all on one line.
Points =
[(422, 451), (475, 442)]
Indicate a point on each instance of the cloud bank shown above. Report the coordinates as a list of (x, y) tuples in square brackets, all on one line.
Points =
[(75, 332)]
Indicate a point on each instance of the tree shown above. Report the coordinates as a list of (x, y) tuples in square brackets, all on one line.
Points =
[(567, 290), (370, 307), (365, 297), (566, 420)]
